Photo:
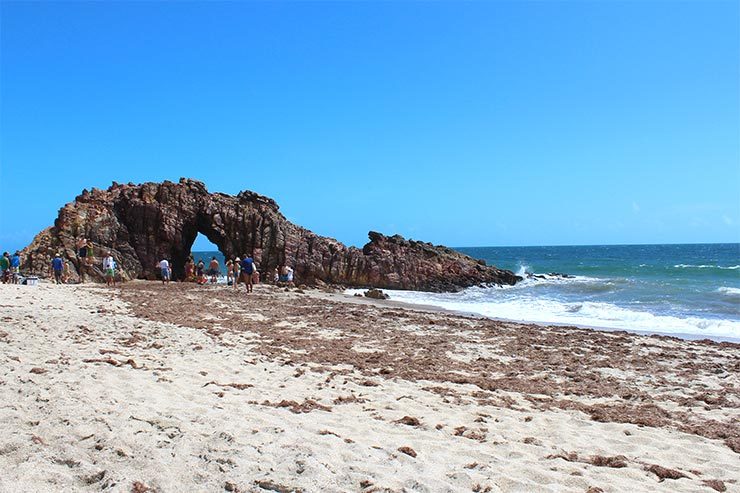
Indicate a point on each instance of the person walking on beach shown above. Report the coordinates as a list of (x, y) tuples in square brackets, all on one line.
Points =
[(164, 267), (248, 269), (57, 265), (109, 267)]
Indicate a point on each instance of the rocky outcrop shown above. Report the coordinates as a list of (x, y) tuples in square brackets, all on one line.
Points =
[(141, 224)]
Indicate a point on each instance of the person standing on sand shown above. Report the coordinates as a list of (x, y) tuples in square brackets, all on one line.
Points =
[(4, 267), (247, 271), (82, 257), (189, 269), (214, 269), (109, 267), (90, 257), (164, 267), (236, 271), (57, 265), (229, 271), (15, 267)]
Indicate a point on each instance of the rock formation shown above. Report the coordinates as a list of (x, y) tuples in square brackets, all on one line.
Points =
[(141, 224)]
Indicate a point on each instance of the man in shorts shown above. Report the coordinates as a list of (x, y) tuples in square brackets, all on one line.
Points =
[(164, 267), (214, 270), (57, 265)]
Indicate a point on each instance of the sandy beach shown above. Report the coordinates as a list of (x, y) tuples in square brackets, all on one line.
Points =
[(176, 388)]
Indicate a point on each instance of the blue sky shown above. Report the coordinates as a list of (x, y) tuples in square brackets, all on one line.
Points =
[(468, 124)]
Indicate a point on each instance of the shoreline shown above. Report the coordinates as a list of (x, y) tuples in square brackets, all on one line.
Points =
[(435, 308), (306, 391)]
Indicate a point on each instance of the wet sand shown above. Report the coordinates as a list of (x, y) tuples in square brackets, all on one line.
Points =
[(187, 388)]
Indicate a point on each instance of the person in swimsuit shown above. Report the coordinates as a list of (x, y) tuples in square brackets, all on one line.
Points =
[(214, 270), (189, 269), (236, 271)]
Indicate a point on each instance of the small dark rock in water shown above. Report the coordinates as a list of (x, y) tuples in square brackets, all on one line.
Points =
[(561, 275), (358, 294), (376, 294)]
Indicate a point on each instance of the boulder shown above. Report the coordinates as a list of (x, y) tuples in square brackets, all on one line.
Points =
[(376, 294)]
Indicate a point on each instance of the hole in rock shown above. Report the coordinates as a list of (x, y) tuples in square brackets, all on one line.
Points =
[(204, 249)]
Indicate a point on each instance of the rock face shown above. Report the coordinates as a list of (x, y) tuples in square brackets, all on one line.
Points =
[(141, 224)]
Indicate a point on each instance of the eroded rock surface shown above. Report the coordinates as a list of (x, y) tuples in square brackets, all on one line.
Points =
[(141, 224)]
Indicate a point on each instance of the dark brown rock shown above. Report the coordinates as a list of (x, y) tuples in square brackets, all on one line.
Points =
[(376, 294), (715, 484), (409, 420), (408, 451), (665, 473), (141, 224)]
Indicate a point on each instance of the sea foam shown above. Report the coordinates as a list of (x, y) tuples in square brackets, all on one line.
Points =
[(595, 314)]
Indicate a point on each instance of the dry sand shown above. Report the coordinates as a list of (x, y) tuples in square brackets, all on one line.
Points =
[(183, 388)]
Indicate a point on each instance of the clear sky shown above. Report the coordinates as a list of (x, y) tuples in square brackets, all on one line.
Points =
[(468, 124)]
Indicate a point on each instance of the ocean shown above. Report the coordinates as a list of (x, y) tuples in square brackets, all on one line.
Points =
[(690, 291)]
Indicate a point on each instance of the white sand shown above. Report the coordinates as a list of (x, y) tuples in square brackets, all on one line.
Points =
[(164, 426)]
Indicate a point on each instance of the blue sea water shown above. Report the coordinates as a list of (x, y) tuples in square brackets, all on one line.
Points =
[(686, 290)]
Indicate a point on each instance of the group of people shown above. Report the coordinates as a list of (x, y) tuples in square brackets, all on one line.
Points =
[(242, 270), (60, 267), (238, 271), (10, 268), (197, 272)]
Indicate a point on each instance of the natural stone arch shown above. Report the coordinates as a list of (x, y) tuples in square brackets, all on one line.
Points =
[(141, 224)]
